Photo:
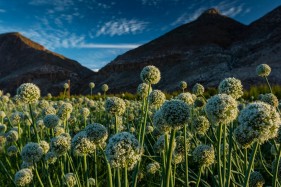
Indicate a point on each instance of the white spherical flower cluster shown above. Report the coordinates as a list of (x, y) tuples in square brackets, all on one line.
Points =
[(81, 145), (12, 150), (157, 98), (153, 167), (123, 150), (12, 136), (40, 125), (201, 125), (16, 118), (256, 179), (65, 85), (85, 112), (3, 128), (65, 111), (259, 120), (51, 121), (175, 113), (49, 96), (263, 70), (29, 93), (231, 86), (32, 152), (49, 110), (5, 99), (61, 144), (92, 85), (183, 85), (2, 114), (198, 89), (270, 99), (186, 97), (115, 105), (23, 177), (96, 133), (51, 157), (204, 155), (43, 104), (45, 146), (159, 123), (92, 182), (222, 109), (149, 129), (244, 136), (58, 130), (70, 179), (150, 75), (142, 90), (104, 87)]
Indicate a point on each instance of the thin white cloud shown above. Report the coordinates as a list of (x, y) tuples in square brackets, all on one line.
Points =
[(227, 8), (231, 8), (63, 39), (2, 11), (121, 27), (186, 17), (108, 46), (150, 2)]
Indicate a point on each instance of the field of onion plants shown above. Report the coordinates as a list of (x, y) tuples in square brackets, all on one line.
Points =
[(188, 140)]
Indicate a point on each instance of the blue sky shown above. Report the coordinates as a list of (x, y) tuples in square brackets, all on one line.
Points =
[(94, 32)]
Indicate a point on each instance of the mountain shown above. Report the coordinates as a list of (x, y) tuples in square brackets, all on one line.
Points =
[(204, 51), (22, 60)]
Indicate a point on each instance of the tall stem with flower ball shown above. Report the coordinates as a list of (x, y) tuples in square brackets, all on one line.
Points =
[(186, 157), (169, 159), (251, 163)]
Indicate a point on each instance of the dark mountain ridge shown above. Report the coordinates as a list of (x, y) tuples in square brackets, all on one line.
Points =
[(206, 50), (23, 60)]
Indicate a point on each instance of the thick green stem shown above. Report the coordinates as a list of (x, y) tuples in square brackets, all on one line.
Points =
[(116, 124), (85, 170), (253, 154), (38, 176), (224, 155), (109, 173), (96, 168), (276, 167), (33, 123), (186, 158), (126, 177), (229, 156), (199, 177), (169, 158), (268, 85), (219, 155)]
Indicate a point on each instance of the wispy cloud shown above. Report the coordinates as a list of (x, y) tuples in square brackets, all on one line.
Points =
[(230, 8), (227, 8), (108, 46), (58, 5), (2, 11), (186, 17), (121, 27), (150, 2), (63, 39)]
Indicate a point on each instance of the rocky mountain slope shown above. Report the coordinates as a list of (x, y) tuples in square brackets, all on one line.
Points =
[(206, 50), (22, 60)]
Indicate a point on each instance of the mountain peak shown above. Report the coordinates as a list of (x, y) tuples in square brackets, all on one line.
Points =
[(16, 37), (212, 11)]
